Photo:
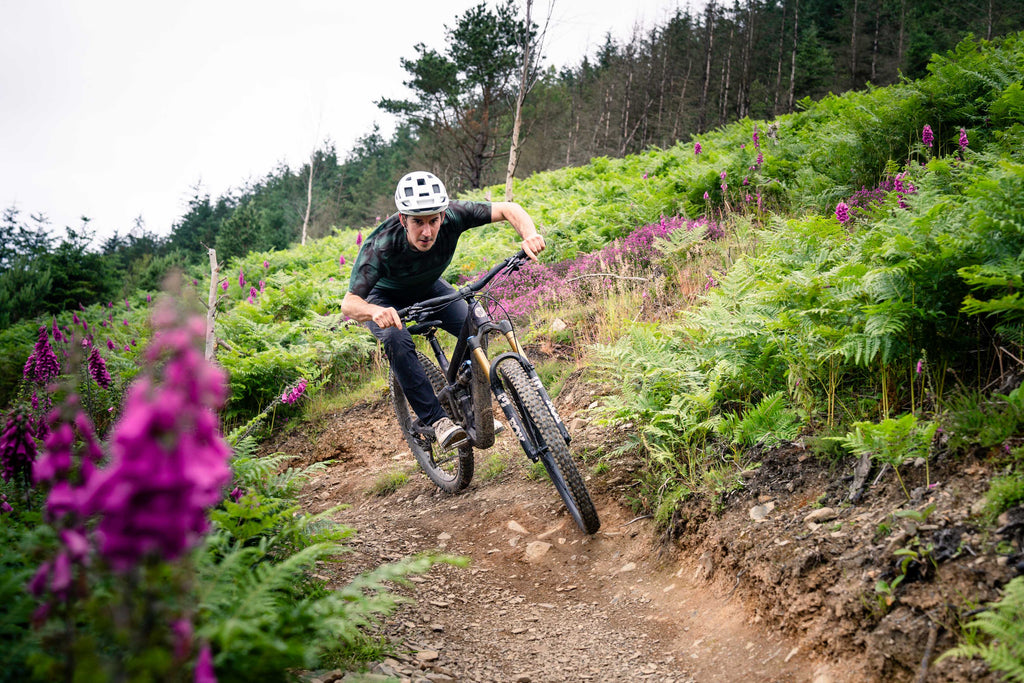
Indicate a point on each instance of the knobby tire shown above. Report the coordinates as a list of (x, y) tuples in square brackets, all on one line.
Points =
[(543, 432), (451, 471)]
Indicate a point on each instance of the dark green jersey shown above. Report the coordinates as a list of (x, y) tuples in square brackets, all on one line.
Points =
[(387, 260)]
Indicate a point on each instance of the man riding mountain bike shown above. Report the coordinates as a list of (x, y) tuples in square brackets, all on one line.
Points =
[(401, 263)]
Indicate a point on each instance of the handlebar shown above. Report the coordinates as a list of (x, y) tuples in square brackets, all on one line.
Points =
[(419, 311)]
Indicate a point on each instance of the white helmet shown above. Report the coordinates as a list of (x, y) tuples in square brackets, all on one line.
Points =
[(420, 193)]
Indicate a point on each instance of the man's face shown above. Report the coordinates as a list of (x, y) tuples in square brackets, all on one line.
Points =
[(421, 231)]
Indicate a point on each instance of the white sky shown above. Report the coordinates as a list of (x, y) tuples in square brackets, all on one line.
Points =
[(113, 109)]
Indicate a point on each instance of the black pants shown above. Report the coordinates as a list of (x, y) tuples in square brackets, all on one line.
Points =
[(401, 350)]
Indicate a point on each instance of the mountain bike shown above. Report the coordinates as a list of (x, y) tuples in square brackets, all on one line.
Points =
[(465, 382)]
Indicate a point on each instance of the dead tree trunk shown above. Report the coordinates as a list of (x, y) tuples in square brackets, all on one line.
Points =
[(778, 66), (726, 77), (211, 306), (513, 152), (709, 40), (744, 91), (853, 47), (792, 61), (309, 197)]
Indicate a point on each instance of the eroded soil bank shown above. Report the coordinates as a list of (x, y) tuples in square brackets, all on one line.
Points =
[(777, 583)]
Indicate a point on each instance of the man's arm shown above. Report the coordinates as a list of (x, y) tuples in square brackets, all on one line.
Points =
[(533, 241), (361, 310)]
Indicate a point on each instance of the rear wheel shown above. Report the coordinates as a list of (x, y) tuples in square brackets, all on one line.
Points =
[(450, 470), (543, 433)]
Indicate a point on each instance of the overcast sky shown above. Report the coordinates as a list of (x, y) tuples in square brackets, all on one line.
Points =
[(114, 109)]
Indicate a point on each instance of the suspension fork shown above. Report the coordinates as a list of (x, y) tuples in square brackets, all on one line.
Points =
[(506, 403)]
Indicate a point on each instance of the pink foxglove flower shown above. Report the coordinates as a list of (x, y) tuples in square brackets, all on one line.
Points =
[(292, 395), (241, 278), (842, 212), (963, 140), (168, 458), (696, 149), (757, 138), (927, 137), (17, 448), (98, 367), (266, 264), (341, 260), (42, 366), (359, 237), (204, 666)]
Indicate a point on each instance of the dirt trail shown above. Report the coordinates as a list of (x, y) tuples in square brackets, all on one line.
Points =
[(539, 601)]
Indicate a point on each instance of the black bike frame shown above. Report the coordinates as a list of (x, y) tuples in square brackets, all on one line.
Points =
[(469, 352)]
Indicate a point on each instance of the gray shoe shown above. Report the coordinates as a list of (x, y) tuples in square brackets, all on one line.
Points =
[(449, 435)]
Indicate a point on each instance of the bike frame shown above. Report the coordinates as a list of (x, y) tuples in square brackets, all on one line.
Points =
[(469, 352)]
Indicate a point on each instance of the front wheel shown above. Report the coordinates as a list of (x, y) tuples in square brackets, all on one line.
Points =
[(543, 434), (451, 470)]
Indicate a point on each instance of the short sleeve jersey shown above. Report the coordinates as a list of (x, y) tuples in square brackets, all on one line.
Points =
[(387, 260)]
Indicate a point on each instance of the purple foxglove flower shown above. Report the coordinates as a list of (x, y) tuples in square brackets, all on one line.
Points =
[(341, 260), (110, 344), (46, 366), (224, 285), (17, 448), (927, 137), (241, 278), (5, 507), (963, 139), (842, 212), (696, 149), (760, 159), (722, 175), (149, 298), (204, 666), (920, 365), (706, 196), (182, 630), (98, 368), (266, 264), (236, 493), (168, 460), (756, 138), (359, 235)]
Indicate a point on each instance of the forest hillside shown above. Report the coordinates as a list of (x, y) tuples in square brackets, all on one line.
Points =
[(838, 286)]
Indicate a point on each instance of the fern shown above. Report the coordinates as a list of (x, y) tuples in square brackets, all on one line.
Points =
[(1003, 624)]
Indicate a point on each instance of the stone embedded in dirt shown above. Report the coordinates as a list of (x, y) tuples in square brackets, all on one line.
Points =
[(518, 528), (552, 531), (428, 655), (628, 567), (578, 423), (558, 325), (759, 513), (821, 515), (535, 550)]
